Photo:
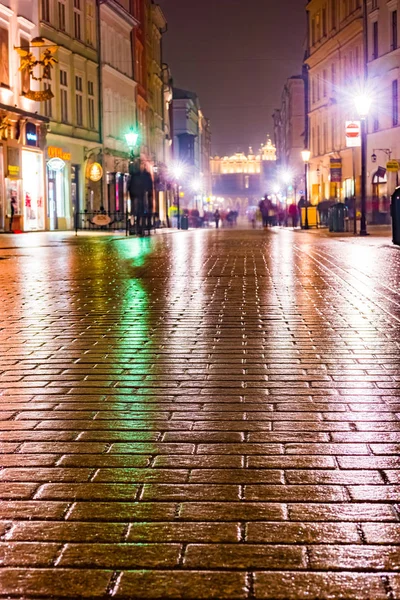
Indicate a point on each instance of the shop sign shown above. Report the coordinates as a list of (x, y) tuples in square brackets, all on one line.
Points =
[(353, 134), (381, 173), (31, 136), (95, 172), (336, 170), (101, 220), (54, 152), (13, 161), (56, 164), (13, 171), (392, 166)]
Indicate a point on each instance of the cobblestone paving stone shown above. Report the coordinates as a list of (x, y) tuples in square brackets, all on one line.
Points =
[(200, 415)]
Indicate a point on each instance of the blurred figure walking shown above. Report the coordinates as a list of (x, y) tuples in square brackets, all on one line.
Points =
[(293, 214)]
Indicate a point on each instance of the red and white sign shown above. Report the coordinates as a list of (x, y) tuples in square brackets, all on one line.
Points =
[(353, 134)]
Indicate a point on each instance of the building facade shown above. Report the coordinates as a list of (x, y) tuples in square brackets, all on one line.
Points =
[(240, 181), (74, 134), (22, 130), (335, 74), (383, 122), (186, 143), (289, 126), (118, 24), (75, 77)]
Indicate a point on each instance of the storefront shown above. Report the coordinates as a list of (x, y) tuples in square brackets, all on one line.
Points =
[(33, 191), (58, 188), (68, 190), (22, 198), (116, 194)]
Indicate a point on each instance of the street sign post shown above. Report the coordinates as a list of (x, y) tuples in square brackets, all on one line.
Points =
[(392, 166), (353, 134), (336, 170)]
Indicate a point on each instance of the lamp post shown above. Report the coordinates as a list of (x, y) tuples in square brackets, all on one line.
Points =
[(132, 138), (177, 172), (197, 188), (306, 154), (363, 104)]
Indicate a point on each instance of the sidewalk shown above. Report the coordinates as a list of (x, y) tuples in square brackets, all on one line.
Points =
[(373, 230), (212, 416)]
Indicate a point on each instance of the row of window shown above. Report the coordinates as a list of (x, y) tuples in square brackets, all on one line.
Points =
[(328, 17), (119, 114), (393, 32), (325, 83), (79, 94), (319, 25), (116, 50), (81, 24), (5, 77), (324, 141)]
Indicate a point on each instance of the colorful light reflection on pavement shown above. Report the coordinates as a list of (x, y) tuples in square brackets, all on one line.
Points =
[(204, 414)]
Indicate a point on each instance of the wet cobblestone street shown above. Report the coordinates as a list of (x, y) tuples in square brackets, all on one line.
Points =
[(200, 415)]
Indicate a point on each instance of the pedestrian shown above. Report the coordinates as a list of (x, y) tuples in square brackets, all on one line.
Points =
[(217, 218), (264, 212), (293, 214), (13, 209), (300, 205)]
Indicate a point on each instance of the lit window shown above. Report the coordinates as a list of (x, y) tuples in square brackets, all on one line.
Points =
[(90, 23), (78, 101), (45, 6), (64, 95), (5, 58), (91, 112), (61, 15), (77, 19)]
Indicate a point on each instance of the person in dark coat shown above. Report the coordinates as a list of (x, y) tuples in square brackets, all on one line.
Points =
[(140, 188), (293, 214), (13, 209)]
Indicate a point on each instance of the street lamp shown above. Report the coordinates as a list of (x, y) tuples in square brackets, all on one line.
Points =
[(306, 154), (363, 104), (177, 171), (132, 138), (196, 187), (286, 177)]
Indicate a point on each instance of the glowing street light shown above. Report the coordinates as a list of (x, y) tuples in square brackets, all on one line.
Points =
[(286, 177), (177, 171), (132, 138), (306, 155), (363, 104), (196, 185)]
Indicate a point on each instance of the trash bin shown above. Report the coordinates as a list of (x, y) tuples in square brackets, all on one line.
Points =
[(337, 215), (184, 222), (395, 214)]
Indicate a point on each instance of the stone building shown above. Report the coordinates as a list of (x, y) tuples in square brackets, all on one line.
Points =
[(22, 129), (335, 71), (74, 134), (241, 180), (289, 126), (191, 147), (383, 122), (118, 85)]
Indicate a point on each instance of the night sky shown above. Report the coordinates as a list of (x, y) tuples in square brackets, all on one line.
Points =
[(236, 54)]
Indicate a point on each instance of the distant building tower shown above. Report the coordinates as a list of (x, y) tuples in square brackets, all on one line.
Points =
[(242, 180)]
